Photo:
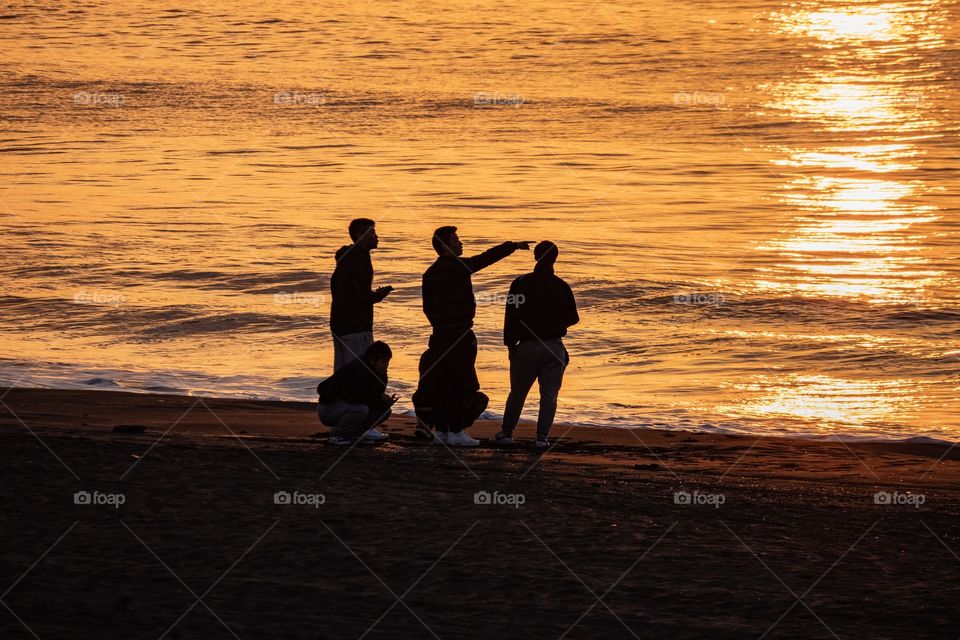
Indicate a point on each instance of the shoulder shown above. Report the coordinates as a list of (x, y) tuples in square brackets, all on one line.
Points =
[(432, 269), (355, 368), (558, 280)]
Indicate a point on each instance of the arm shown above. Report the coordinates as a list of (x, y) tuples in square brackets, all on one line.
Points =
[(572, 317), (358, 275), (490, 256), (511, 317), (361, 385), (380, 294), (428, 298), (361, 279), (372, 395)]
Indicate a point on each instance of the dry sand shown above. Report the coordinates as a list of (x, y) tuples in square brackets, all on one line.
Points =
[(788, 540)]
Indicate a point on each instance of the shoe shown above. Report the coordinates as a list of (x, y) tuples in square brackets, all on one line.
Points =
[(461, 439), (440, 437), (422, 431), (375, 435), (542, 442), (339, 441), (502, 439)]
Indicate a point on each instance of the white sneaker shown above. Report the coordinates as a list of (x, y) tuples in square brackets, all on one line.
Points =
[(339, 441), (541, 443), (501, 439), (461, 439), (440, 437), (375, 435)]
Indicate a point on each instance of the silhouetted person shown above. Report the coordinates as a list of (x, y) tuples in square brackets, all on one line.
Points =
[(353, 400), (448, 396), (539, 310), (351, 308)]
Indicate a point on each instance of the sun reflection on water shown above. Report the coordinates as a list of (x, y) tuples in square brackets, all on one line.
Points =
[(881, 158), (854, 238), (826, 401), (863, 25), (854, 204)]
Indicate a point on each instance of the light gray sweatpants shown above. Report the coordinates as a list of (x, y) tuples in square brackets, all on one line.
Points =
[(535, 360), (350, 347)]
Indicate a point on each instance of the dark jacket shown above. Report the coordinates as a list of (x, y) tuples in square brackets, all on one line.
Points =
[(351, 310), (540, 305), (355, 383), (448, 300)]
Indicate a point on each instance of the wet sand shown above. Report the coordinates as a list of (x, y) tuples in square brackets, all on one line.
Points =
[(611, 533)]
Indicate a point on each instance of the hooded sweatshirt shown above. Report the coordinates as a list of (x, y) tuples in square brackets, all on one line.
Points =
[(351, 310), (541, 305), (355, 383)]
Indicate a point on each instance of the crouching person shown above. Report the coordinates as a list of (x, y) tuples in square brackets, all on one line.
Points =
[(353, 400)]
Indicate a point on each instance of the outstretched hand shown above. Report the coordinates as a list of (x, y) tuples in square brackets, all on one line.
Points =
[(523, 244), (383, 292), (391, 399)]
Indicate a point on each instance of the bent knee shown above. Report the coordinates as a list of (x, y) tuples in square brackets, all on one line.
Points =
[(359, 412)]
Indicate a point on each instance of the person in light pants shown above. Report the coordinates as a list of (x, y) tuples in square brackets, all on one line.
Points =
[(350, 347), (353, 401), (535, 360), (351, 307), (351, 421), (539, 310)]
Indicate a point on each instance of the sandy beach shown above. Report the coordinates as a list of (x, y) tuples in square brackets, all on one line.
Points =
[(226, 518)]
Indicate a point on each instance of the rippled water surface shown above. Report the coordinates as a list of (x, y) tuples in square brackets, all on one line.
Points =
[(756, 202)]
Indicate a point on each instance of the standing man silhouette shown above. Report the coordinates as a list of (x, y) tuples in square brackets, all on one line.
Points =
[(448, 396), (539, 310), (351, 308)]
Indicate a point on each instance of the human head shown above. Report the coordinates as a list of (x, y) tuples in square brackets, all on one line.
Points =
[(378, 356), (446, 242), (546, 253), (363, 232)]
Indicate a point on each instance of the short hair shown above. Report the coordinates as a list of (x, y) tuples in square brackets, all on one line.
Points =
[(359, 226), (546, 251), (378, 350), (441, 238)]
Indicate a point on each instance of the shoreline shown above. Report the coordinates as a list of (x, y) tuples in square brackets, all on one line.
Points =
[(155, 417), (558, 427)]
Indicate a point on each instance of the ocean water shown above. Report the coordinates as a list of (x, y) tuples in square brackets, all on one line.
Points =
[(756, 202)]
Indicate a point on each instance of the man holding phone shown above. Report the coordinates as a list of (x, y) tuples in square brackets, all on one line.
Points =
[(351, 308)]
